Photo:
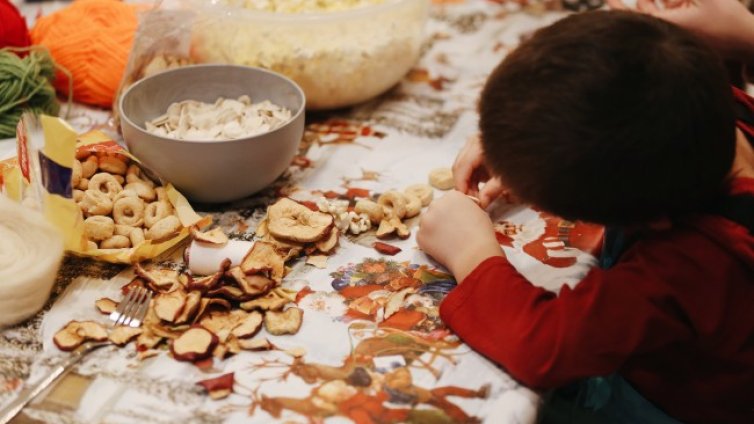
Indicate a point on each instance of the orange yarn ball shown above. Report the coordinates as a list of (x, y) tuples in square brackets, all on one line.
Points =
[(92, 40)]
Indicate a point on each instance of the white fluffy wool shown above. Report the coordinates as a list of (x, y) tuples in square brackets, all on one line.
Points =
[(30, 254)]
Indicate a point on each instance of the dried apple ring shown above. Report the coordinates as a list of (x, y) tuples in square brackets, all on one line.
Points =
[(162, 194), (78, 195), (83, 184), (116, 242), (125, 193), (97, 228), (441, 178), (142, 189), (133, 173), (413, 205), (424, 192), (394, 200), (371, 209), (76, 173), (105, 183), (155, 212), (164, 229), (96, 203), (129, 211), (123, 230), (89, 167), (136, 236), (113, 164)]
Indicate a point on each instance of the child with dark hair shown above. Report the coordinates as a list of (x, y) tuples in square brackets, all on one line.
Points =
[(626, 120)]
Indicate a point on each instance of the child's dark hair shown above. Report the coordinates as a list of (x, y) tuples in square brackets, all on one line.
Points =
[(610, 117)]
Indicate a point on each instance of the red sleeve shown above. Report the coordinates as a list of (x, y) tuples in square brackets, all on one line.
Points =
[(546, 340)]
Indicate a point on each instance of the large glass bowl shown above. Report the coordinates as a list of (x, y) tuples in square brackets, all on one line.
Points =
[(339, 58)]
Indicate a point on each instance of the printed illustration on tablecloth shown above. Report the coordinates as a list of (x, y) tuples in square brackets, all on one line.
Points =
[(393, 326)]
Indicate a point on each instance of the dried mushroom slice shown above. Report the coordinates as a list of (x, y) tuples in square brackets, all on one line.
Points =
[(290, 220), (169, 306), (264, 258), (122, 335), (195, 344), (269, 302), (159, 279), (286, 322), (249, 327), (214, 236), (219, 387), (106, 305)]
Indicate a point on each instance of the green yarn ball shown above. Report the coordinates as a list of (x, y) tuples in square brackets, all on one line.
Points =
[(25, 85)]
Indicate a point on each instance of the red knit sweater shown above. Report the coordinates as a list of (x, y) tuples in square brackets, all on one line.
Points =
[(675, 317)]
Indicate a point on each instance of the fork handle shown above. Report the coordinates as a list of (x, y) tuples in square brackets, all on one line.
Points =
[(26, 396)]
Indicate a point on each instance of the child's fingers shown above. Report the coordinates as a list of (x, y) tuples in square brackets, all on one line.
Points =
[(617, 5), (647, 6), (491, 191)]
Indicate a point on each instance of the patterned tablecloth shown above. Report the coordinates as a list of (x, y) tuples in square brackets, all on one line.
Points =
[(390, 142)]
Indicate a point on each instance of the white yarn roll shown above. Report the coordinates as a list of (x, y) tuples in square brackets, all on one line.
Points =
[(205, 258), (31, 251)]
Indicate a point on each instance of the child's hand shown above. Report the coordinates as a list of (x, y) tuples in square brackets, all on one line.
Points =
[(469, 170), (457, 233), (726, 24)]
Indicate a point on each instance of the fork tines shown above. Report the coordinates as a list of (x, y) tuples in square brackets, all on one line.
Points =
[(132, 309)]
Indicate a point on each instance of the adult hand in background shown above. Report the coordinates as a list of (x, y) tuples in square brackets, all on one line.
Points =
[(725, 24)]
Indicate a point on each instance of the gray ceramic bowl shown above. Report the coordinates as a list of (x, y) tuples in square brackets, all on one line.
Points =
[(213, 171)]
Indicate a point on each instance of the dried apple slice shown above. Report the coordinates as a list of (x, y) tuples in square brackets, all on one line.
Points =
[(135, 283), (122, 335), (214, 236), (386, 229), (269, 302), (66, 339), (220, 351), (228, 292), (165, 332), (330, 243), (252, 285), (159, 279), (106, 305), (220, 323), (286, 322), (169, 306), (255, 344), (249, 327), (264, 258), (219, 387), (195, 344), (318, 261), (290, 220), (91, 330), (147, 340), (193, 301), (205, 283)]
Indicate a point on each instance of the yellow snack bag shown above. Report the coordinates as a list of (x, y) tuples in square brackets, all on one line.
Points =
[(53, 172)]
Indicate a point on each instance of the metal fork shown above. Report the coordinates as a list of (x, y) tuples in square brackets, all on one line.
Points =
[(131, 312)]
